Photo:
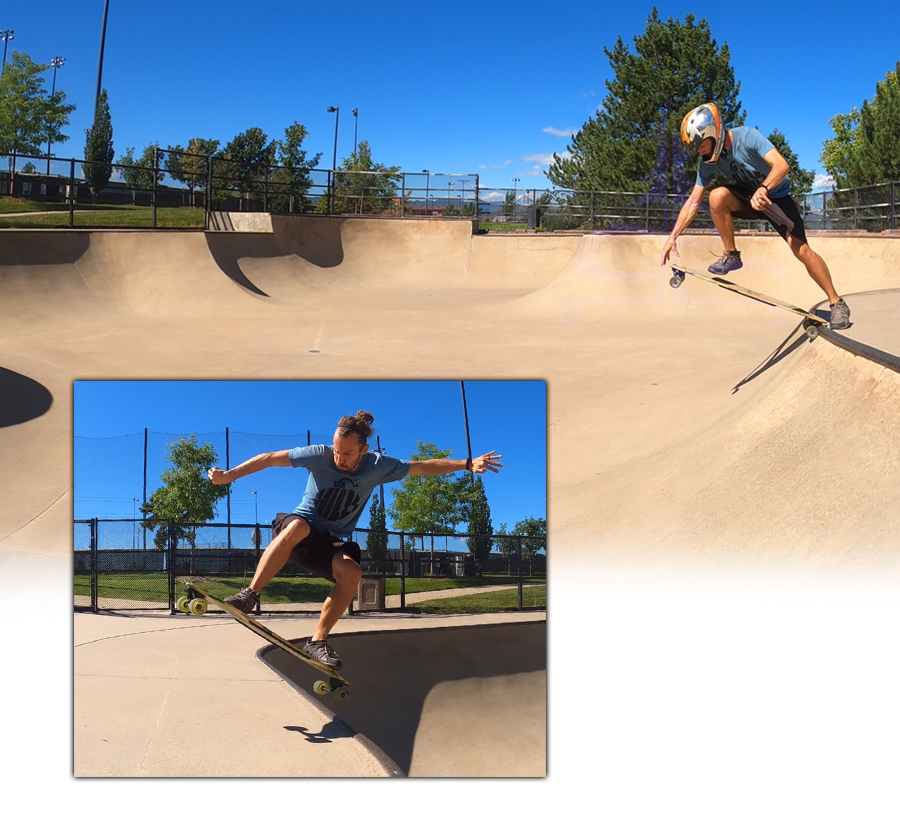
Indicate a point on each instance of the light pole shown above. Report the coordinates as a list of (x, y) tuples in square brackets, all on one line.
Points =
[(515, 198), (56, 63), (256, 511), (337, 120), (427, 183), (100, 62), (355, 128), (255, 535), (6, 35), (134, 524)]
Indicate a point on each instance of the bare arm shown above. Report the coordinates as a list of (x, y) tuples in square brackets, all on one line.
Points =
[(441, 466), (778, 173), (253, 465), (685, 217)]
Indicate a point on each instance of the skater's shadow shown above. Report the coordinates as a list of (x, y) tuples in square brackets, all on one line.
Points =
[(788, 346), (328, 733)]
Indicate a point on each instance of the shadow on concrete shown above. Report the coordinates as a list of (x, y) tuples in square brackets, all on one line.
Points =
[(787, 347), (392, 672), (228, 248), (30, 248), (21, 398), (317, 239)]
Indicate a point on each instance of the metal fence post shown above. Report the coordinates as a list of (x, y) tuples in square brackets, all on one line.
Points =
[(402, 572), (519, 569), (155, 181), (72, 193), (94, 565), (170, 547)]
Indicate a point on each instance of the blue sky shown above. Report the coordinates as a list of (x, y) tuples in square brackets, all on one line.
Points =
[(110, 418), (463, 87)]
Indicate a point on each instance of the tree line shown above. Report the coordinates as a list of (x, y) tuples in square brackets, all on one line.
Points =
[(422, 505)]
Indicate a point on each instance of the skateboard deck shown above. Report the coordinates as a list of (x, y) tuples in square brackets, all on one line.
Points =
[(811, 322), (195, 602)]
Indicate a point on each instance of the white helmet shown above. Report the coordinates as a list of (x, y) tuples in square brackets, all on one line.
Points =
[(700, 123)]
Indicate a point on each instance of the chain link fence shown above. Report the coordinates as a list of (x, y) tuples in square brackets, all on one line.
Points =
[(126, 565)]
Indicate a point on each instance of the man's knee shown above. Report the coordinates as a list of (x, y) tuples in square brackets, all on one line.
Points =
[(345, 568), (721, 198)]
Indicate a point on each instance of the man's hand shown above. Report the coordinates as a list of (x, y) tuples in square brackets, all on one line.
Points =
[(488, 461), (217, 476), (760, 200), (671, 247)]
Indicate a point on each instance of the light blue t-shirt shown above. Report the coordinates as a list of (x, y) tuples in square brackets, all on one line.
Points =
[(744, 163), (334, 499)]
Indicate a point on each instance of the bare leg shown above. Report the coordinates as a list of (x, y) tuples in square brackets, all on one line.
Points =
[(815, 267), (722, 204), (346, 579), (276, 554)]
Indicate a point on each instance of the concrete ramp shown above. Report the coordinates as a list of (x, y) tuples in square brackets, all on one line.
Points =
[(465, 701)]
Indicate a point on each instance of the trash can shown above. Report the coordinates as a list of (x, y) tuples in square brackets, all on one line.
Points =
[(534, 217), (370, 594)]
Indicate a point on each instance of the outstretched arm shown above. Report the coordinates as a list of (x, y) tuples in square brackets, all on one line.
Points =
[(685, 217), (253, 465), (441, 466)]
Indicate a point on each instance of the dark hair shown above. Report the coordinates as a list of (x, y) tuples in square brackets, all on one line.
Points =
[(359, 424)]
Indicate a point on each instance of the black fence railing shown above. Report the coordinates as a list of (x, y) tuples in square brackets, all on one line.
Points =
[(120, 564), (179, 180), (183, 189)]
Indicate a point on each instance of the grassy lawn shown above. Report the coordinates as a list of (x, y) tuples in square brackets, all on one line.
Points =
[(533, 596), (285, 590), (15, 214)]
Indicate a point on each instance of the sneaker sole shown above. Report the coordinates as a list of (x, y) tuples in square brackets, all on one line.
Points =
[(727, 271)]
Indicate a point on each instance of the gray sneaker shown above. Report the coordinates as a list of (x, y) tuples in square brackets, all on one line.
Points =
[(840, 315), (323, 653), (244, 600), (729, 261)]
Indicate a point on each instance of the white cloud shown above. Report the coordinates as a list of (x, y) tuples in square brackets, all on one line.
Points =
[(823, 182), (495, 166), (567, 133), (540, 158)]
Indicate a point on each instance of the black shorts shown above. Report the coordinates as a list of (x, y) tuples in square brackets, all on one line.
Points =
[(783, 214), (316, 552)]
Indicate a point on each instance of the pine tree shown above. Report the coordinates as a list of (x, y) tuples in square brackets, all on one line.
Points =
[(675, 67), (98, 150)]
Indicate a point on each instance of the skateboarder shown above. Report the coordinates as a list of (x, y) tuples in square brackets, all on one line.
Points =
[(761, 190), (341, 479)]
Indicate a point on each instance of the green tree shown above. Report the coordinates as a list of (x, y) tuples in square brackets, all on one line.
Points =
[(377, 541), (801, 180), (479, 516), (290, 181), (187, 495), (362, 186), (534, 532), (675, 67), (98, 150), (29, 116), (866, 146), (429, 504), (506, 545), (139, 173), (245, 162), (192, 168)]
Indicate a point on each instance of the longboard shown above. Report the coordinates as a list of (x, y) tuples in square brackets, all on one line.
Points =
[(811, 322), (195, 602)]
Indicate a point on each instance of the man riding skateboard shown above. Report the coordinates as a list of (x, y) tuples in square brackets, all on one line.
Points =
[(761, 190), (341, 479)]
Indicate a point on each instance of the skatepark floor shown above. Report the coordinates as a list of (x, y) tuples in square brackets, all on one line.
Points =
[(723, 504)]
